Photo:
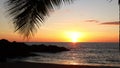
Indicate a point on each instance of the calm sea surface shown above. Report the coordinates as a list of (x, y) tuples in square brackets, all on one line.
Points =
[(105, 54)]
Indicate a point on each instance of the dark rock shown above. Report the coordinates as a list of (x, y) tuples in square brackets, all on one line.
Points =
[(19, 49)]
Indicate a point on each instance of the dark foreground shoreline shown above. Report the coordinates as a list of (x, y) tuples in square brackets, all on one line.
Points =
[(46, 65), (11, 50)]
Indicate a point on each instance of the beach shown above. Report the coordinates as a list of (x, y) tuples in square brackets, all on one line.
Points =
[(46, 65)]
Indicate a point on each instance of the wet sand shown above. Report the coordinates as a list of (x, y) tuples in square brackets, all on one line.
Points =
[(46, 65)]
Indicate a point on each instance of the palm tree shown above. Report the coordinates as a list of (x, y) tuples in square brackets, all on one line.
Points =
[(29, 14)]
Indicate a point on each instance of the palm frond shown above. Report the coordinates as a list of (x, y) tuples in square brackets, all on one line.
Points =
[(27, 14)]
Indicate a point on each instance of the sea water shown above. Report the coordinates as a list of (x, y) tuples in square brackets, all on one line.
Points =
[(105, 54)]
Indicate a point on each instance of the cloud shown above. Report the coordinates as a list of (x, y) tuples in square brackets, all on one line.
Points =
[(95, 21), (104, 23), (111, 23)]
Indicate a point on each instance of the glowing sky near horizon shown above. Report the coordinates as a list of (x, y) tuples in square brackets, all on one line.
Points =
[(88, 17)]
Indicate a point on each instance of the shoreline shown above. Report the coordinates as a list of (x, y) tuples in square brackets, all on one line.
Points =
[(47, 65)]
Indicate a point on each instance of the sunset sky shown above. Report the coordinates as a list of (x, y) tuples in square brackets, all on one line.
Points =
[(81, 21)]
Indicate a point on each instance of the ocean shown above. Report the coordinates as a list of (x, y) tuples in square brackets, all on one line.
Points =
[(103, 54)]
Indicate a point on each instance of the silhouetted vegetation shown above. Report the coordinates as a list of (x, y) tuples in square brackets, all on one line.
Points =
[(27, 14), (18, 49)]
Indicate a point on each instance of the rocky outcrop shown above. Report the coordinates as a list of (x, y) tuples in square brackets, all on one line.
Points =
[(19, 49)]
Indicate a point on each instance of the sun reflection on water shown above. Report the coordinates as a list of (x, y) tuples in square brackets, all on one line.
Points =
[(73, 63), (73, 58), (74, 44)]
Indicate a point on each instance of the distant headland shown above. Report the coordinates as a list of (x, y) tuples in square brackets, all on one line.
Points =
[(18, 49)]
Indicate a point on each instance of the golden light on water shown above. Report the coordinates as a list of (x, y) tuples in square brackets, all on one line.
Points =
[(71, 63)]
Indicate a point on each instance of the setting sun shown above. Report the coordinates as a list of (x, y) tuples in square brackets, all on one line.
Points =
[(74, 36)]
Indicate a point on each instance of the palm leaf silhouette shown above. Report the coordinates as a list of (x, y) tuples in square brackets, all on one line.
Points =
[(27, 14)]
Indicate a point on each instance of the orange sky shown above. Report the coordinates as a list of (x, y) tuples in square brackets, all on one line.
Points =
[(94, 20)]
